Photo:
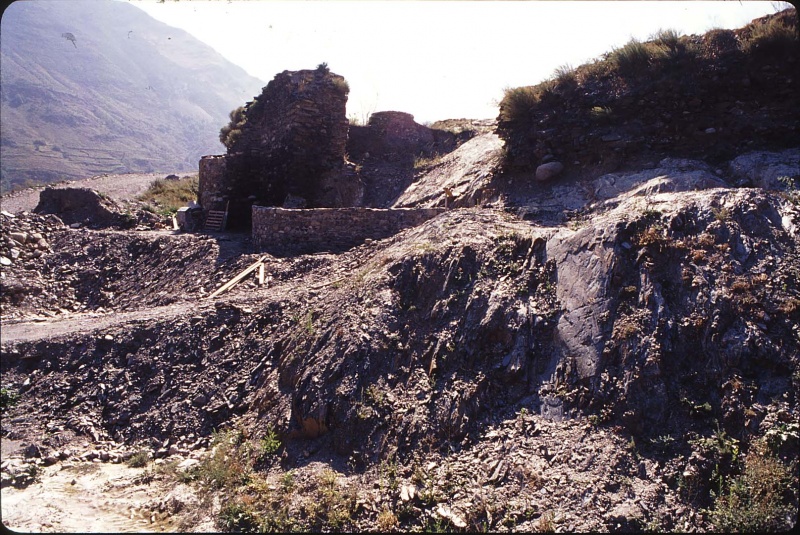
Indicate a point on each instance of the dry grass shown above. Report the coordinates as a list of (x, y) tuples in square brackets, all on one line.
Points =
[(756, 500), (168, 195), (518, 102), (773, 38)]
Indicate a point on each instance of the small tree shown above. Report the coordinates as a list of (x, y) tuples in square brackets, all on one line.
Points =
[(229, 133)]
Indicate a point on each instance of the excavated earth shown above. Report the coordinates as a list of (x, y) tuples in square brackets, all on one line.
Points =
[(590, 353), (505, 363)]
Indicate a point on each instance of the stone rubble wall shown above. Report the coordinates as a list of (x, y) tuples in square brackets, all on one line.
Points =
[(286, 231), (291, 145), (211, 194)]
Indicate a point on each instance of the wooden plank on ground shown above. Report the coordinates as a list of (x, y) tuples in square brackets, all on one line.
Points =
[(239, 277)]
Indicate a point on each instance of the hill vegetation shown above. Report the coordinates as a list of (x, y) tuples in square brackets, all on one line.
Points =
[(711, 96), (100, 87)]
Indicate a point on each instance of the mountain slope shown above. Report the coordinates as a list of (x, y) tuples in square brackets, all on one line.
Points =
[(101, 87)]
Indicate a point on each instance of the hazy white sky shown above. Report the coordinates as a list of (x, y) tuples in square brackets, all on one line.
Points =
[(435, 59)]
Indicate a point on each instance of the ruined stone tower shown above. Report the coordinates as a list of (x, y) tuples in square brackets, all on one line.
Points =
[(290, 150)]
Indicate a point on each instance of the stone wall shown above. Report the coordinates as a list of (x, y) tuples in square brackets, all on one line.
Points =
[(211, 187), (394, 136), (290, 144), (285, 231)]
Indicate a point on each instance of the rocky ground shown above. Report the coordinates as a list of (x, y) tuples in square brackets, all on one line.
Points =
[(605, 351), (480, 371)]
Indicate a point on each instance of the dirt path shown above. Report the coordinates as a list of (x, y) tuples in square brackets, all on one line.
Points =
[(91, 497), (118, 187), (43, 327)]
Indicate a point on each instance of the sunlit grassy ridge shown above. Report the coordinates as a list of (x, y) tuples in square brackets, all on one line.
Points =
[(665, 50)]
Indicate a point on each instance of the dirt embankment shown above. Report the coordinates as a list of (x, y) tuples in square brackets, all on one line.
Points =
[(448, 350), (593, 353)]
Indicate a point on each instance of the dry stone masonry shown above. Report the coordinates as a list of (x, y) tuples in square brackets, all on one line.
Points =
[(292, 231), (288, 149), (291, 144)]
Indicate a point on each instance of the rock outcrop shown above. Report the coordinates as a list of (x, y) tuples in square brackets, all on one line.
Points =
[(82, 206)]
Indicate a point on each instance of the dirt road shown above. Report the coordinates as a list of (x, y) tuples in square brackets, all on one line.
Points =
[(118, 187), (43, 327)]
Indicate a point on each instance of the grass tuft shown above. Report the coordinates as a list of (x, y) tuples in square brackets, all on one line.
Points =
[(770, 39), (635, 57), (755, 501)]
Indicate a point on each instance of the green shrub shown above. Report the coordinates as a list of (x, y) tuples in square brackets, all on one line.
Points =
[(239, 518), (231, 132), (755, 501), (270, 443), (139, 459), (7, 398), (331, 508), (229, 465)]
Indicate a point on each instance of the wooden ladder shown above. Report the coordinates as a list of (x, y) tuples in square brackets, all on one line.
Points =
[(215, 220)]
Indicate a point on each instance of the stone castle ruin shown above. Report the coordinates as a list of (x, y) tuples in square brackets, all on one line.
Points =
[(291, 148)]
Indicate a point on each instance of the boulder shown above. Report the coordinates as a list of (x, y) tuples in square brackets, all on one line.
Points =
[(78, 205), (548, 171), (761, 169)]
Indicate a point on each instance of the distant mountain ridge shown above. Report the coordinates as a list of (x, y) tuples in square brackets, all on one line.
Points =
[(94, 86)]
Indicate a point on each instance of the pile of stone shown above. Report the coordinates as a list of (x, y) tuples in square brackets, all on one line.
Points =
[(25, 238), (26, 242), (24, 466)]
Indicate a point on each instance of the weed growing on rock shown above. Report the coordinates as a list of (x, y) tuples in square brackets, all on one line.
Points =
[(7, 398), (287, 482), (600, 112), (239, 518), (139, 459), (270, 443), (792, 193), (721, 214), (308, 323), (386, 520), (388, 475), (228, 465), (330, 507), (546, 523), (423, 162)]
